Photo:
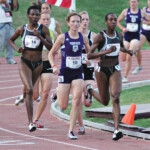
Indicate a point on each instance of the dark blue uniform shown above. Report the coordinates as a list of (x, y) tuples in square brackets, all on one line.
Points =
[(133, 24), (71, 59)]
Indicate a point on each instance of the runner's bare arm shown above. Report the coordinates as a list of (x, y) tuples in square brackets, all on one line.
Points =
[(12, 39), (97, 40)]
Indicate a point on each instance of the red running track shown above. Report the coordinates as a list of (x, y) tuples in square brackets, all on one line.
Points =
[(14, 134)]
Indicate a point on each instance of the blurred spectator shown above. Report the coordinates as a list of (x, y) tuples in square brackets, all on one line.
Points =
[(6, 28)]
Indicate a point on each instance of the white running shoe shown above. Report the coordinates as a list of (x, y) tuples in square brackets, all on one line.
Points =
[(124, 80), (72, 136), (32, 127), (19, 100), (117, 135), (137, 69)]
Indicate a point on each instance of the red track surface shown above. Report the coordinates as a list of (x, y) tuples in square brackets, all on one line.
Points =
[(14, 134)]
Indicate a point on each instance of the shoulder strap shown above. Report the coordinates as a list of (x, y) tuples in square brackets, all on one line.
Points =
[(24, 26), (101, 44)]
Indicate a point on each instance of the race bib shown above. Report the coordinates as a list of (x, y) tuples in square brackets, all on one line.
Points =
[(132, 27), (84, 58), (32, 41), (115, 53), (60, 79), (73, 62), (117, 67), (146, 27)]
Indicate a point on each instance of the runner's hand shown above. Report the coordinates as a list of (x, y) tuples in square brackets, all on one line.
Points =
[(88, 62), (55, 71), (20, 50)]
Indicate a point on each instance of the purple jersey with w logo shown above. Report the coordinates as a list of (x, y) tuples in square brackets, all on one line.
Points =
[(71, 55), (133, 24)]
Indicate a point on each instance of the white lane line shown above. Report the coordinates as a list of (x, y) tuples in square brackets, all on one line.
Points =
[(49, 140), (14, 142), (10, 76), (5, 99), (10, 80), (8, 72), (10, 87)]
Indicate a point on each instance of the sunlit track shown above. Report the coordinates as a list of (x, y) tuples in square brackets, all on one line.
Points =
[(14, 134), (49, 140)]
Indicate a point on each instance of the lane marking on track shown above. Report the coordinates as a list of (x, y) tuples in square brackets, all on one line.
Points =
[(8, 72), (49, 140), (5, 99), (10, 87), (10, 80), (15, 142), (9, 76), (7, 104)]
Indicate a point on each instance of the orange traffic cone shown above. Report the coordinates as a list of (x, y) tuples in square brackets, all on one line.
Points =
[(129, 117)]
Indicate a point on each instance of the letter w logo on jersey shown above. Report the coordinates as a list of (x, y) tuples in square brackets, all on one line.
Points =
[(75, 48)]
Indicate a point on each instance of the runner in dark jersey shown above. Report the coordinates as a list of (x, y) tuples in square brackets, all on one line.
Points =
[(34, 36), (108, 72), (70, 73), (88, 67)]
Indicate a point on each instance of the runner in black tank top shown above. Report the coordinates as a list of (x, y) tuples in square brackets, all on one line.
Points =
[(108, 72), (88, 68), (30, 65)]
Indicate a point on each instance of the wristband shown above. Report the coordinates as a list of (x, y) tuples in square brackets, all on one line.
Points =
[(53, 66)]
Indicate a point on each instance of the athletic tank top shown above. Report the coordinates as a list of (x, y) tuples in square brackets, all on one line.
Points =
[(52, 25), (133, 21), (84, 55), (30, 41), (52, 38), (146, 26), (71, 54), (108, 42)]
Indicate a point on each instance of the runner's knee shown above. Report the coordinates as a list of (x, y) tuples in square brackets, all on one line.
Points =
[(29, 91), (45, 95)]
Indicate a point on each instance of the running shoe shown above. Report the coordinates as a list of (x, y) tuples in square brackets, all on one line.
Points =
[(38, 125), (72, 136), (137, 69), (117, 135), (88, 96), (81, 130), (32, 127), (124, 80), (19, 100), (54, 95), (39, 98), (11, 61)]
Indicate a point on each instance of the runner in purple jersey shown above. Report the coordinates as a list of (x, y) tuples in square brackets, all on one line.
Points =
[(70, 73), (133, 17), (145, 36)]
